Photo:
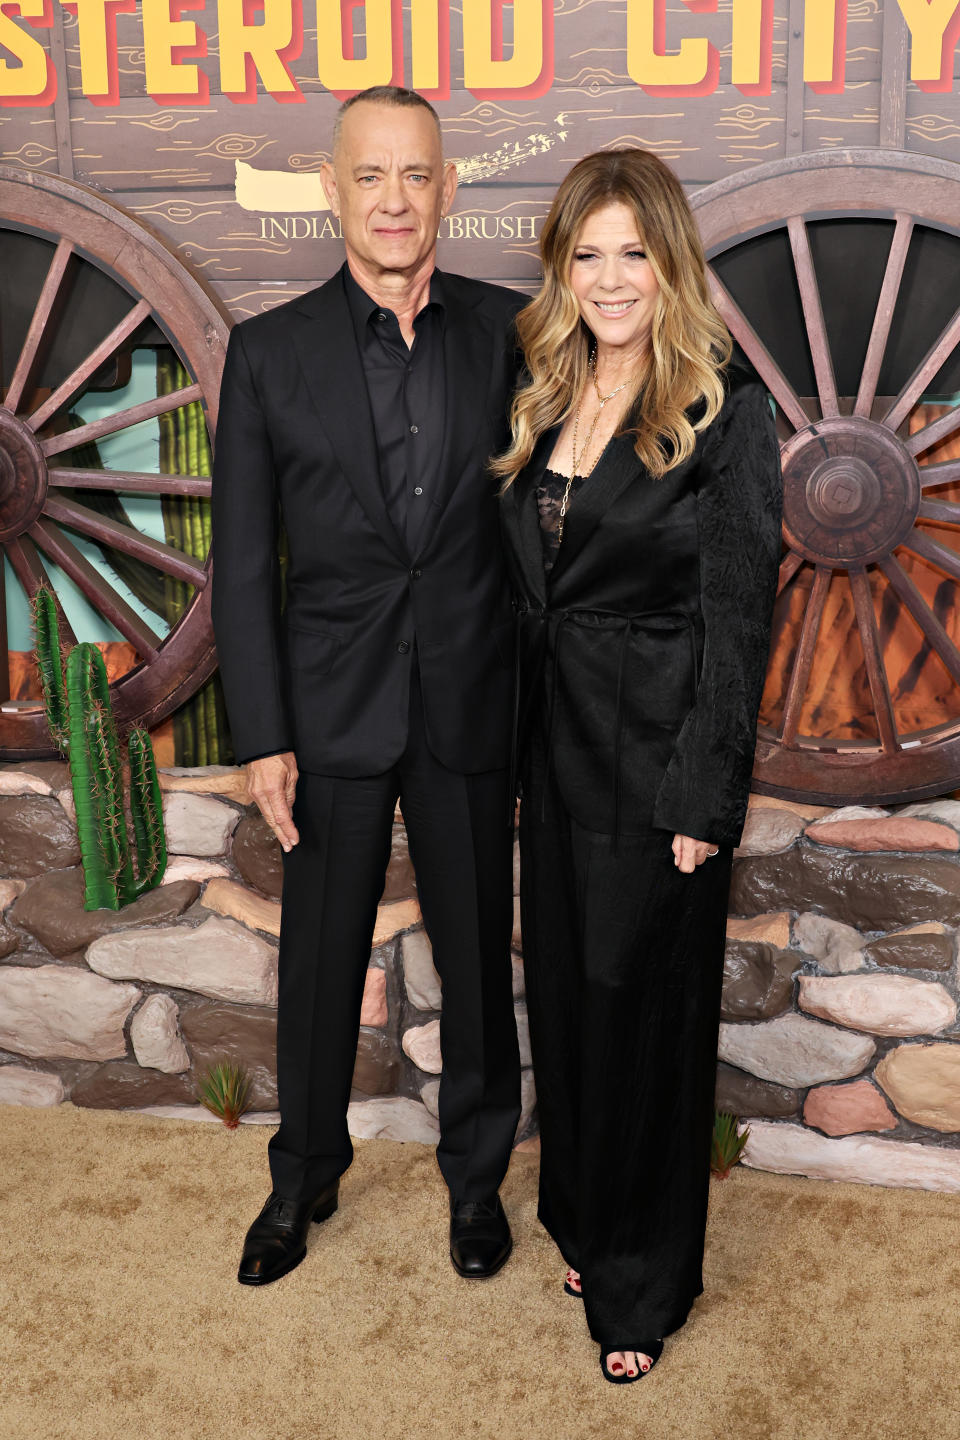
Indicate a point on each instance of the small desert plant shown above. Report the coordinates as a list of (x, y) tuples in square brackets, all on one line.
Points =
[(728, 1143), (225, 1091)]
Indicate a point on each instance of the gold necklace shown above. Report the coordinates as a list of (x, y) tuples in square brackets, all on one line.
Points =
[(577, 462)]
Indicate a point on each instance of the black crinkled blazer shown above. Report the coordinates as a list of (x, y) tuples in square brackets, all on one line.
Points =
[(641, 658)]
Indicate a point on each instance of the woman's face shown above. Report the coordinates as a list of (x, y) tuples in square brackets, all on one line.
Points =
[(613, 280)]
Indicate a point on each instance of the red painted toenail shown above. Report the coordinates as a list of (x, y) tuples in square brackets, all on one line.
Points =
[(616, 1367)]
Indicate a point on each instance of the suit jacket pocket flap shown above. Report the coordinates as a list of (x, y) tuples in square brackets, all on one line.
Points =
[(313, 650)]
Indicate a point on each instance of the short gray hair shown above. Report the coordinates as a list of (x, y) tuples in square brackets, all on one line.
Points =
[(385, 95)]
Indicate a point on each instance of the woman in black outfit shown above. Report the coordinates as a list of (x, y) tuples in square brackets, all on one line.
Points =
[(641, 511)]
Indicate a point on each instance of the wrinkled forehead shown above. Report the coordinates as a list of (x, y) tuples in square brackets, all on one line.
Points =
[(611, 224), (389, 135)]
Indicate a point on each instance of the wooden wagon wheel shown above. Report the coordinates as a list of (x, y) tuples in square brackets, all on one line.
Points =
[(38, 508), (858, 507)]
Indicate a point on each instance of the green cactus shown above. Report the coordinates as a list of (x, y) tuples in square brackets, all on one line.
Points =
[(81, 722)]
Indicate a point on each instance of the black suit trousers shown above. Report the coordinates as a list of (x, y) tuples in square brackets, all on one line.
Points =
[(461, 849), (623, 955)]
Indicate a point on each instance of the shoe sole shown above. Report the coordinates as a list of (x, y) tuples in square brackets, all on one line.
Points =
[(319, 1215), (483, 1274)]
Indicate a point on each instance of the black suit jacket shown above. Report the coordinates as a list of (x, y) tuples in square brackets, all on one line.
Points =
[(643, 654), (329, 678)]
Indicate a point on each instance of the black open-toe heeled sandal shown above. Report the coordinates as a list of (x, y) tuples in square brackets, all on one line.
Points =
[(569, 1290), (651, 1348)]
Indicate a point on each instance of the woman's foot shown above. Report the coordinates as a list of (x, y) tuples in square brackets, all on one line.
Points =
[(572, 1285), (622, 1367)]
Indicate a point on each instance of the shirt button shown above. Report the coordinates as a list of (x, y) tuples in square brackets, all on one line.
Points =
[(414, 429), (418, 490), (381, 316), (415, 574), (402, 647)]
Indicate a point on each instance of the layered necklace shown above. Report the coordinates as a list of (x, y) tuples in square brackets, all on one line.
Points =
[(579, 459)]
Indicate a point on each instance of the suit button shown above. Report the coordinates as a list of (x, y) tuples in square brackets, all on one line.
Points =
[(415, 574), (402, 647)]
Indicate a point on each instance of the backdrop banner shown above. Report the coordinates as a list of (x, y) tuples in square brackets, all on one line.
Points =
[(211, 121)]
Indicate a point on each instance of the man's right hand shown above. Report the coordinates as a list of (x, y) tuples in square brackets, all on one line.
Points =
[(272, 782)]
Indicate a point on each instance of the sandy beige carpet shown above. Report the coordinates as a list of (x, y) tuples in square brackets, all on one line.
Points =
[(830, 1311)]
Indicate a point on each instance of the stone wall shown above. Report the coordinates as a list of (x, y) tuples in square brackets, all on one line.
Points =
[(123, 1009), (839, 1043)]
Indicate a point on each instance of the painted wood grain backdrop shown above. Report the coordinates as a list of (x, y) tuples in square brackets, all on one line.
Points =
[(175, 167)]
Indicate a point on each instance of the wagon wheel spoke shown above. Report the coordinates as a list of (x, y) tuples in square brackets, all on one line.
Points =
[(758, 354), (880, 333), (38, 324), (803, 660), (29, 569), (122, 420), (945, 512), (130, 482), (873, 659), (940, 351), (922, 614), (934, 552), (813, 316), (943, 474), (126, 539), (789, 566), (89, 364), (102, 595), (938, 430)]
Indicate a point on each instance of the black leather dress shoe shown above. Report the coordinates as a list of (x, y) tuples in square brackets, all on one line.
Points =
[(277, 1240), (480, 1239)]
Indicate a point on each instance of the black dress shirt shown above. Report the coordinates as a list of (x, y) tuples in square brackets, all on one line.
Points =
[(406, 387)]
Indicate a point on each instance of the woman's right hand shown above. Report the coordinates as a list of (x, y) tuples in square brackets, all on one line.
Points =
[(689, 853)]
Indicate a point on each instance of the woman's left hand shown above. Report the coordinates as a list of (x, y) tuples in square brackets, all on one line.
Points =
[(689, 853)]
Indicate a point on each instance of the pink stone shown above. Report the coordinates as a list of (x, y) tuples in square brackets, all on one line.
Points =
[(848, 1109), (773, 928), (894, 833), (391, 919), (867, 1159), (373, 1011)]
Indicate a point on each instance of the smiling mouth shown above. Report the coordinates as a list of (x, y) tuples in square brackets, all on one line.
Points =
[(619, 308)]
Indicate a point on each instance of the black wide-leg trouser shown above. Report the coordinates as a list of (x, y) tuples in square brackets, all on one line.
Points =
[(461, 847), (624, 962)]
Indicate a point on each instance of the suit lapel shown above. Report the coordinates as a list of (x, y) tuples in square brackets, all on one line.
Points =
[(617, 467), (330, 361), (467, 361), (523, 517)]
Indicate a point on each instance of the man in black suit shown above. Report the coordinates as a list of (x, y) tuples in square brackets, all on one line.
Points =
[(360, 418)]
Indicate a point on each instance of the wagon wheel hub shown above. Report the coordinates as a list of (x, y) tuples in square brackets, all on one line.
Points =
[(851, 492), (23, 477)]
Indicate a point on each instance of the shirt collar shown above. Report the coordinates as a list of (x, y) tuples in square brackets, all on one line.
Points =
[(363, 309)]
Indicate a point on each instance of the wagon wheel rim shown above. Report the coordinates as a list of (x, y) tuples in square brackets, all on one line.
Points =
[(39, 517), (854, 492)]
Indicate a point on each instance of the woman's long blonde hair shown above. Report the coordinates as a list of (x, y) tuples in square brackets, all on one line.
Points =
[(689, 343)]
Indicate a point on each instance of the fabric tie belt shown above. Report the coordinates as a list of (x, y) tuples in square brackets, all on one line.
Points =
[(557, 622)]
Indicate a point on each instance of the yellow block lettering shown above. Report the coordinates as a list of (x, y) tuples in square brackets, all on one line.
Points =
[(164, 32), (693, 70), (336, 68), (932, 26), (28, 81), (247, 51), (484, 69)]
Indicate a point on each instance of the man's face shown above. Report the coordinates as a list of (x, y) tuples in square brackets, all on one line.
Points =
[(389, 186)]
